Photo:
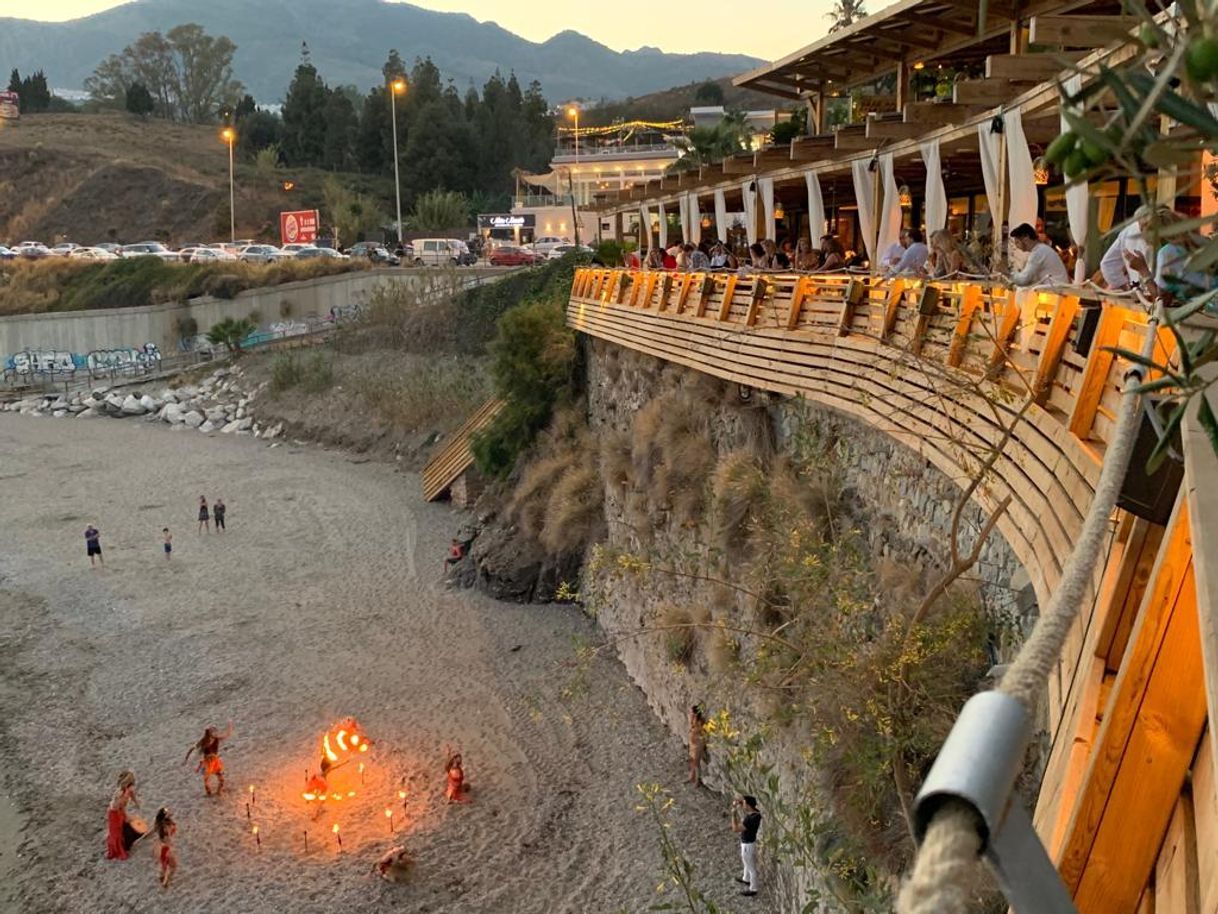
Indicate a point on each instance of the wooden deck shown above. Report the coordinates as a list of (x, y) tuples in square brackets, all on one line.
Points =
[(1129, 803), (456, 457)]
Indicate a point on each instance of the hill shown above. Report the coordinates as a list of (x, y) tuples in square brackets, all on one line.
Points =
[(350, 40)]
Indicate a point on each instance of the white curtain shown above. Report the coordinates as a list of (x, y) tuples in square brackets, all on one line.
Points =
[(990, 145), (683, 215), (935, 211), (695, 219), (1077, 204), (644, 228), (864, 193), (767, 205), (816, 208), (890, 215), (748, 192), (721, 215), (663, 227), (1021, 181)]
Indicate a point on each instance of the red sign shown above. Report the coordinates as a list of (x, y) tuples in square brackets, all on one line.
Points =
[(10, 106), (299, 227)]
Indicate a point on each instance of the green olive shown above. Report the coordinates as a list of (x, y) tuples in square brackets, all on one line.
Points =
[(1061, 147), (1201, 58)]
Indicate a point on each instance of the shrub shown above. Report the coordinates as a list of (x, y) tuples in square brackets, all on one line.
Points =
[(285, 371), (231, 332), (313, 372), (437, 210)]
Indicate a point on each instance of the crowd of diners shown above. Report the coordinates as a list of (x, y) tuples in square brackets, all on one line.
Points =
[(1129, 262)]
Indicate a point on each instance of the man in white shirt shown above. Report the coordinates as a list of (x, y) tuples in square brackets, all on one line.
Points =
[(1114, 266), (892, 255), (1044, 267), (916, 252)]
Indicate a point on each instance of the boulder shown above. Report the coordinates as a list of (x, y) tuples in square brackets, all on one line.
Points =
[(244, 425), (194, 418), (274, 431), (229, 428), (59, 403), (207, 427), (150, 404), (114, 400), (173, 413), (214, 414), (99, 392), (76, 408), (133, 407), (59, 413), (89, 413)]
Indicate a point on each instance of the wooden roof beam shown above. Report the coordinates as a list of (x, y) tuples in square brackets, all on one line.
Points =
[(812, 148), (986, 92), (1081, 31), (910, 37), (738, 165), (948, 25), (1032, 68)]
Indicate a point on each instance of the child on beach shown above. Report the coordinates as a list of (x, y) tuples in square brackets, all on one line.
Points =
[(93, 545), (165, 829), (697, 744), (204, 516), (168, 543), (208, 747), (217, 512)]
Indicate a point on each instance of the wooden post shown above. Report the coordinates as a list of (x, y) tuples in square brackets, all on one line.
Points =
[(819, 123), (999, 213), (902, 84)]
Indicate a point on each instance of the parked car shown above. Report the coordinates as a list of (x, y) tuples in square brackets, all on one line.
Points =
[(261, 253), (32, 250), (312, 253), (64, 248), (544, 245), (562, 250), (296, 247), (212, 255), (434, 252), (377, 253), (149, 249), (112, 246), (7, 253), (92, 254), (510, 256)]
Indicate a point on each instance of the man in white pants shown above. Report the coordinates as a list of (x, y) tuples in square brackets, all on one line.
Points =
[(746, 822)]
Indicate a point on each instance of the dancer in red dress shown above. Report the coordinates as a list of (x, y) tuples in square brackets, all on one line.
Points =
[(209, 758), (456, 778), (120, 833)]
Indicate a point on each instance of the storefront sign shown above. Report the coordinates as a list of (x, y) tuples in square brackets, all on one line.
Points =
[(299, 227), (10, 105), (506, 220)]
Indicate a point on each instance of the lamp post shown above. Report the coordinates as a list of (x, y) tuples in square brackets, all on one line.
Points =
[(396, 88), (229, 135), (573, 112)]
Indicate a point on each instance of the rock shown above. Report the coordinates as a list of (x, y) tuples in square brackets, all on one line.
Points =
[(230, 428), (114, 400), (244, 425), (207, 427), (89, 413), (167, 395), (194, 418), (99, 392), (274, 431), (150, 404), (186, 393), (77, 408), (240, 414), (59, 413), (173, 413), (59, 403), (133, 407), (215, 413)]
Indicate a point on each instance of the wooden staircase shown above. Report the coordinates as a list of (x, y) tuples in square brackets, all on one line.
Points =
[(456, 457)]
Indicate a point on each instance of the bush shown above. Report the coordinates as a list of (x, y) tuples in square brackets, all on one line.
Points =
[(481, 307), (231, 332), (313, 373)]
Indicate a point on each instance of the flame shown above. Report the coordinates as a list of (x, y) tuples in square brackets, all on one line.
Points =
[(325, 744), (341, 739), (388, 813), (255, 829), (334, 828)]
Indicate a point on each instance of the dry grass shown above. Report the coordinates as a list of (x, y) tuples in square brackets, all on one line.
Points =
[(412, 393), (739, 487), (680, 637), (616, 463), (573, 511)]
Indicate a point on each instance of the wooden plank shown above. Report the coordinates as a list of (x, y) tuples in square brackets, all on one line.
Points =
[(1034, 68), (729, 292), (1176, 885), (456, 457), (969, 304), (988, 92), (895, 296), (803, 289), (1060, 326), (877, 129), (1081, 31), (760, 286), (1205, 819), (938, 114), (1000, 336), (1146, 743), (1095, 375)]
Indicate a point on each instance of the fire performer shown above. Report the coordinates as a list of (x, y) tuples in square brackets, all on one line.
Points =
[(165, 828), (456, 778), (209, 758), (121, 834)]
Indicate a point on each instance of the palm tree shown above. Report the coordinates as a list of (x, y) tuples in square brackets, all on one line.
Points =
[(704, 145), (846, 13)]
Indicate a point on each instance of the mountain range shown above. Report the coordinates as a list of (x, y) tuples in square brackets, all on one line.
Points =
[(349, 41)]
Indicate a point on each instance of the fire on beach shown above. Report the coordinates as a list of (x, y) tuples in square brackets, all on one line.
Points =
[(341, 745)]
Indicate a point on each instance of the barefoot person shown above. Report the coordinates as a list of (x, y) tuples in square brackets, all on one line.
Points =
[(217, 512), (165, 828), (456, 778), (209, 758), (168, 543), (395, 865), (204, 516), (121, 834), (93, 545), (697, 744), (746, 821)]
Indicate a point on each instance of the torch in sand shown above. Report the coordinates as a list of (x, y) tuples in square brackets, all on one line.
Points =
[(389, 816), (257, 837), (337, 835)]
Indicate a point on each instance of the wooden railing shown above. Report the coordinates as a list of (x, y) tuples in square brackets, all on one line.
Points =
[(959, 371)]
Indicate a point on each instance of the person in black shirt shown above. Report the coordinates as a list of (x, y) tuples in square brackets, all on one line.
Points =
[(746, 822), (217, 512)]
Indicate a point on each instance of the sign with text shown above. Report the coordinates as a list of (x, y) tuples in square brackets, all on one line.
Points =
[(506, 220), (10, 105), (298, 227)]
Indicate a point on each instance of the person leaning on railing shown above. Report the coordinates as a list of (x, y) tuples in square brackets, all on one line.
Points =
[(833, 255), (947, 257), (1044, 267), (807, 258), (1172, 280)]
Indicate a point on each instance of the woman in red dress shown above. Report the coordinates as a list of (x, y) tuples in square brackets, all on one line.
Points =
[(121, 834), (456, 778)]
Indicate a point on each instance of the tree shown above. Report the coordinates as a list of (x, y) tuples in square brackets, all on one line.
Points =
[(438, 210), (795, 126), (341, 123), (704, 145), (139, 100), (845, 13), (304, 125), (14, 82), (231, 332), (245, 108), (709, 93), (259, 131), (188, 73)]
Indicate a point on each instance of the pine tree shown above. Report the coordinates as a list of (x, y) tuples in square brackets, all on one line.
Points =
[(304, 125), (341, 126)]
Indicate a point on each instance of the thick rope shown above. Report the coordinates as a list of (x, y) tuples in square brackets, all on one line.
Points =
[(939, 882)]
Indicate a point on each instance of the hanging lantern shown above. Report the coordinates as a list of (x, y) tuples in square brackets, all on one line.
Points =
[(779, 212), (706, 222), (905, 196), (1040, 171)]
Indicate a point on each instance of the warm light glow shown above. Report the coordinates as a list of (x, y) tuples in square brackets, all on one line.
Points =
[(401, 794), (919, 65), (1040, 171), (229, 135), (779, 212), (399, 86), (254, 829), (251, 788), (388, 813), (334, 828), (572, 112), (906, 198), (350, 793), (363, 747), (325, 745), (310, 796), (354, 739), (341, 739)]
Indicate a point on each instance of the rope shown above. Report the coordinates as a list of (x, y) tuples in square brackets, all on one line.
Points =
[(939, 882)]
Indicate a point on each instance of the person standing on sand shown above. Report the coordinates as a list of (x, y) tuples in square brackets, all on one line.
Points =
[(218, 513), (697, 744), (168, 543), (120, 833), (93, 545), (455, 774), (209, 758), (746, 821), (204, 515), (165, 829)]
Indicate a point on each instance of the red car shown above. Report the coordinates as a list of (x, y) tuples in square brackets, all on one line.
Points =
[(509, 256)]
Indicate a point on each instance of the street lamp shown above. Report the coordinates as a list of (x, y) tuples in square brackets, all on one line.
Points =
[(573, 112), (396, 88), (229, 135)]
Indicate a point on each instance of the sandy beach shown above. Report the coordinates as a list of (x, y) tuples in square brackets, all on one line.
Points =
[(323, 599)]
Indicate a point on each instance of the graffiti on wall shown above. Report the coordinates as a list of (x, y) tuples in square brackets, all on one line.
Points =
[(97, 363)]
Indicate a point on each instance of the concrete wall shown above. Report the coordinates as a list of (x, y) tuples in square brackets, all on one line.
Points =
[(120, 328)]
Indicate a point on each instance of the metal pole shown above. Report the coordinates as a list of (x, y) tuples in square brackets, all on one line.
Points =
[(232, 196), (397, 180)]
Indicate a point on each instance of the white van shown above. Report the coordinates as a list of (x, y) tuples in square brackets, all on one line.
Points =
[(435, 252)]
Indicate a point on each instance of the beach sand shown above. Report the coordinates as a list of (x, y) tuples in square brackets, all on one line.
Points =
[(322, 600)]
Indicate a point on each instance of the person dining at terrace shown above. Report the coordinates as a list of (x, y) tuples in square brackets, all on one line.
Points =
[(721, 258), (833, 255), (1043, 267), (806, 257), (699, 260), (913, 260), (947, 257), (655, 259)]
